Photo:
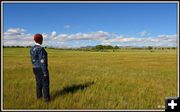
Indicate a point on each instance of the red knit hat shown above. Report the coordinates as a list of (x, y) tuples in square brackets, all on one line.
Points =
[(38, 38)]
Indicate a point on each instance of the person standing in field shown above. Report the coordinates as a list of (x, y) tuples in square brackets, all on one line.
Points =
[(39, 61)]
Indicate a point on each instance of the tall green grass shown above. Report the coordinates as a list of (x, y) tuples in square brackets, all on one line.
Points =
[(131, 79)]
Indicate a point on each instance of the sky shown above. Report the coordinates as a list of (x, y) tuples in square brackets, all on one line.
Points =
[(67, 25)]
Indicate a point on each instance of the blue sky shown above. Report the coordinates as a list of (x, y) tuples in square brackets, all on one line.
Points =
[(82, 24)]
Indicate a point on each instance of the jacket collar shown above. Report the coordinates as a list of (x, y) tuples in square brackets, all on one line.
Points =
[(37, 44)]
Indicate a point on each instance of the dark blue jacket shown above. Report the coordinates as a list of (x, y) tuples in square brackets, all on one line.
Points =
[(39, 59)]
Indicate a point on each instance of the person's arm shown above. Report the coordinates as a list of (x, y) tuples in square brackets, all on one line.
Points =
[(43, 61)]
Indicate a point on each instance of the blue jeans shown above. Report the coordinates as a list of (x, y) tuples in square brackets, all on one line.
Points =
[(42, 84)]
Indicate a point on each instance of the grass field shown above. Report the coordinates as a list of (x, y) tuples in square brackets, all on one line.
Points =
[(128, 79)]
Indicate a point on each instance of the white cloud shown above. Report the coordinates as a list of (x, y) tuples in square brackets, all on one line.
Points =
[(18, 36), (53, 35), (45, 35), (143, 33), (14, 31), (160, 40), (99, 35), (67, 26)]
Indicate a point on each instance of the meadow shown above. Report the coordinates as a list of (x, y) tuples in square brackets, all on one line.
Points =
[(127, 79)]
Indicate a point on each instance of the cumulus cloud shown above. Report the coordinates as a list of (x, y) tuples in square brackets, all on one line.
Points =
[(160, 40), (45, 35), (99, 35), (14, 31), (19, 36), (53, 35)]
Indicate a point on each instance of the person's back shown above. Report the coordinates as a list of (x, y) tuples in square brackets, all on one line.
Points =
[(39, 61), (35, 51)]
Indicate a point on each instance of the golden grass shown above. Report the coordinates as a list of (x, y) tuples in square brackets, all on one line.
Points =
[(131, 79)]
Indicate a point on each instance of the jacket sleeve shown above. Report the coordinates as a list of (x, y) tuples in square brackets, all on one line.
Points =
[(44, 61)]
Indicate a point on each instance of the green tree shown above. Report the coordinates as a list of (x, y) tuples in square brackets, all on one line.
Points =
[(99, 47), (116, 47)]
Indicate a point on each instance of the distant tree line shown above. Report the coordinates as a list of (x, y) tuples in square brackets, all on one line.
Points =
[(102, 48), (16, 46)]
